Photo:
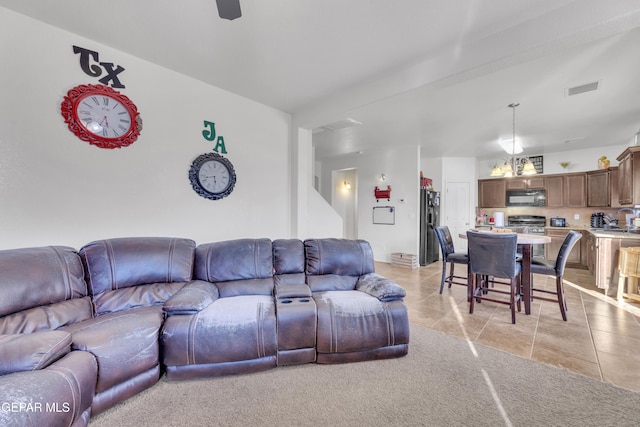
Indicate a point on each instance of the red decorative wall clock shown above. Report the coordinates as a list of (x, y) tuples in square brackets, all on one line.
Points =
[(101, 116)]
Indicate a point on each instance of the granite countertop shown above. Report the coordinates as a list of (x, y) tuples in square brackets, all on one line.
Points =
[(621, 233)]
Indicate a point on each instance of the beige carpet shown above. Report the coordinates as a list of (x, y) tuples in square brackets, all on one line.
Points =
[(442, 382)]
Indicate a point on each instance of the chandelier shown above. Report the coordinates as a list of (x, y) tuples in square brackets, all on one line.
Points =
[(510, 167)]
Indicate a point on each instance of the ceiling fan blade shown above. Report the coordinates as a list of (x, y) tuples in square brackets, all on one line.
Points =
[(229, 9)]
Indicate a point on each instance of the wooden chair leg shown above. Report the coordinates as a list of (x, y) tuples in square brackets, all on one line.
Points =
[(473, 292), (561, 299), (512, 301), (444, 275), (451, 270)]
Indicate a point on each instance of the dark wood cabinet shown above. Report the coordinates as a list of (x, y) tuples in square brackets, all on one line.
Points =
[(492, 193), (598, 188), (554, 186), (601, 185), (524, 183), (575, 190), (551, 249), (628, 176)]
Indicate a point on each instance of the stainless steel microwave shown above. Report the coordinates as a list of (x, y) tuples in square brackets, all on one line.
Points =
[(526, 198)]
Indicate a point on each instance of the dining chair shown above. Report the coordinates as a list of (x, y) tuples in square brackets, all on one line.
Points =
[(494, 255), (450, 256), (555, 269)]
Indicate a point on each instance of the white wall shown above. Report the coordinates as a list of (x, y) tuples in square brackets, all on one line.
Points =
[(345, 201), (56, 189), (401, 166)]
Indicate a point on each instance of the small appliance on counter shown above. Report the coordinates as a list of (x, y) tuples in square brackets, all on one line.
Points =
[(597, 220), (557, 222), (498, 219)]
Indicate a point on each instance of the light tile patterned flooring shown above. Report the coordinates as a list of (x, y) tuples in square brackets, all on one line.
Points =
[(601, 338)]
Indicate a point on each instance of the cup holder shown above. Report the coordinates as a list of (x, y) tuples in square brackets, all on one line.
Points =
[(289, 301)]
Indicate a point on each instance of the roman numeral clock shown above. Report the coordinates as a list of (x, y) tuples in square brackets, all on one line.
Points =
[(101, 116)]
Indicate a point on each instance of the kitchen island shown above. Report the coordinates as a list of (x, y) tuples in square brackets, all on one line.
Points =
[(600, 251)]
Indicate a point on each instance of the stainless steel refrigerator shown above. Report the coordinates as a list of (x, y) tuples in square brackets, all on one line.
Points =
[(429, 218)]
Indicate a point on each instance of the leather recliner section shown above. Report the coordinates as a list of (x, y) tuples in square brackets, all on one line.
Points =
[(236, 332)]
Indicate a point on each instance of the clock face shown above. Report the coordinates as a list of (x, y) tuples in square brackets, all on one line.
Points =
[(212, 176), (104, 116), (101, 116)]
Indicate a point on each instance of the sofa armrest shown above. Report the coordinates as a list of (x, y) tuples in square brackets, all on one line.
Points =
[(31, 352), (192, 298), (380, 287)]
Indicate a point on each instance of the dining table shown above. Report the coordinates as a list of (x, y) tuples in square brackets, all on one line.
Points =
[(525, 242)]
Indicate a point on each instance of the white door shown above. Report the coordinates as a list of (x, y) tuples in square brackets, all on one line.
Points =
[(457, 214)]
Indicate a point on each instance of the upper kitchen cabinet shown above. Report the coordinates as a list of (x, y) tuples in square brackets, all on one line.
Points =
[(628, 176), (524, 183), (575, 190), (492, 193), (602, 188), (566, 190), (554, 186)]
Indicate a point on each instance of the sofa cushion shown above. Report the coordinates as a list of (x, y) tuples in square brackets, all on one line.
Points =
[(37, 276), (30, 352), (114, 265), (237, 267), (47, 317), (37, 279), (344, 259), (288, 256), (230, 329), (353, 321)]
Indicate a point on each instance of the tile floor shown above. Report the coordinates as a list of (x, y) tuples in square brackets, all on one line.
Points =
[(601, 338)]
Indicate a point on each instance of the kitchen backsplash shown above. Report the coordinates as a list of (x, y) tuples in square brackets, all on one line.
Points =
[(569, 214)]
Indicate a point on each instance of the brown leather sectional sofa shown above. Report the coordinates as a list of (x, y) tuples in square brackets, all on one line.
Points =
[(81, 331)]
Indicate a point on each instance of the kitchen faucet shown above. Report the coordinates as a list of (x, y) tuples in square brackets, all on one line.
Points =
[(635, 211)]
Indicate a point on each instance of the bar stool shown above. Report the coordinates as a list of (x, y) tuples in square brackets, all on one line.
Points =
[(494, 255), (449, 255), (555, 269)]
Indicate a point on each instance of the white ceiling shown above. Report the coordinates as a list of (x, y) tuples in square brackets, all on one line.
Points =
[(435, 73)]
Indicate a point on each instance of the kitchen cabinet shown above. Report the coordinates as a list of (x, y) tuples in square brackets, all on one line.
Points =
[(492, 193), (614, 184), (575, 190), (554, 186), (602, 188), (525, 183), (605, 261), (628, 176), (590, 251), (574, 259)]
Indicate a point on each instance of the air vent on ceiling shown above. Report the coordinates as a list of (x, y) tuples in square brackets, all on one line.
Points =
[(342, 124), (588, 87), (574, 140)]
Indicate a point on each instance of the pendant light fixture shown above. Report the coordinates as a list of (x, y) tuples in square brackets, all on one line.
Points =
[(510, 167)]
